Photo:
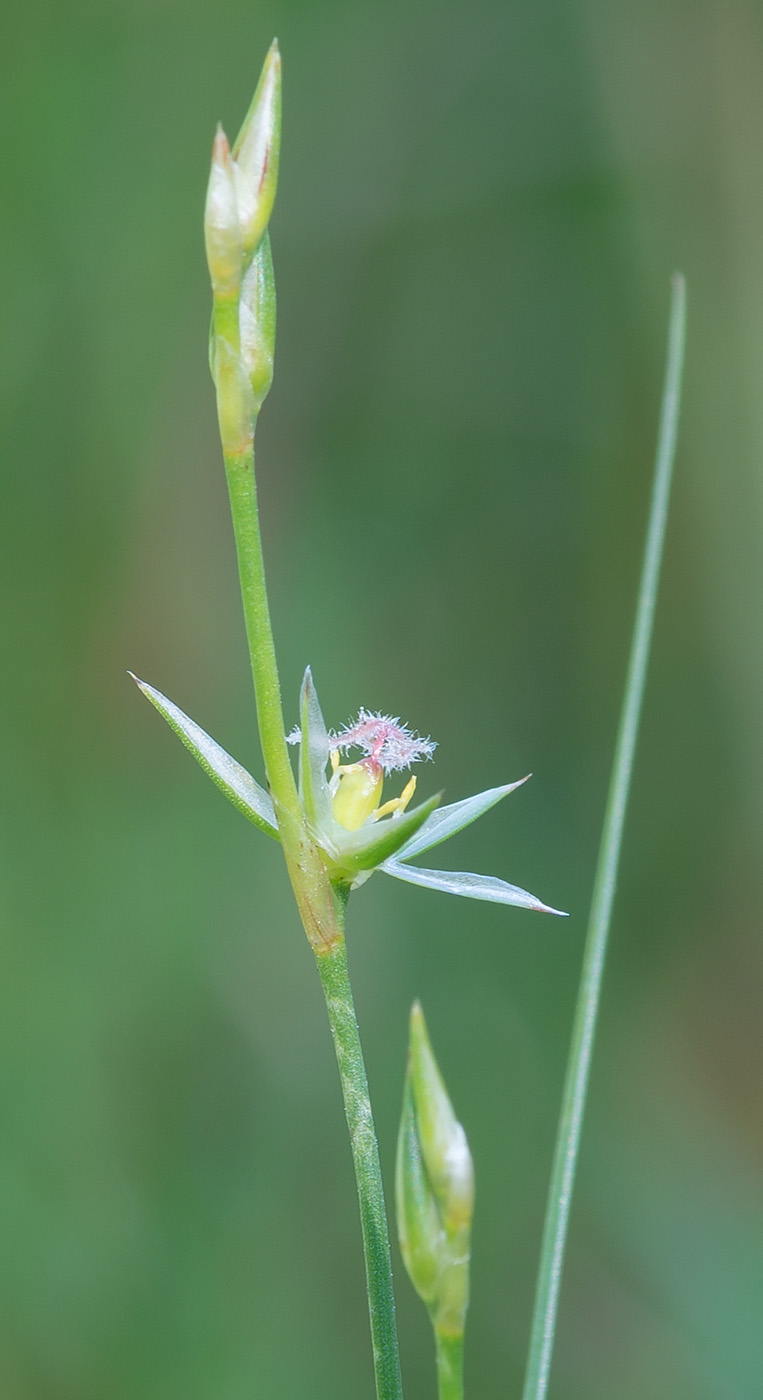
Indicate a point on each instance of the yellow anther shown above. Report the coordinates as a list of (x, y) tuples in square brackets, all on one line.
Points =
[(334, 756), (397, 804), (358, 793), (407, 793)]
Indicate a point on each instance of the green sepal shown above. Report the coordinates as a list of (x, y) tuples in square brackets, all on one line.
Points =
[(212, 348), (446, 821), (257, 321), (376, 842), (238, 785), (419, 1227), (313, 755)]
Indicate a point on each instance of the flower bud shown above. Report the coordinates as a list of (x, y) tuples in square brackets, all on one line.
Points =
[(255, 153), (222, 227), (443, 1140), (434, 1188), (257, 322)]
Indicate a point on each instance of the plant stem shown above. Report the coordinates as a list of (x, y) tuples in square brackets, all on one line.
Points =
[(242, 490), (332, 967), (450, 1366), (579, 1062), (312, 890)]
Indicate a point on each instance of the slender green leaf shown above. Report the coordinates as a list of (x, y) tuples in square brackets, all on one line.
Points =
[(586, 1013), (238, 785), (446, 821), (487, 887)]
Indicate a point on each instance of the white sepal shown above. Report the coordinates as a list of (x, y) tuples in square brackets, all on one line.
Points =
[(487, 887)]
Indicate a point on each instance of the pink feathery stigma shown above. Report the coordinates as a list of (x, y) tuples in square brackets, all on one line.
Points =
[(384, 740)]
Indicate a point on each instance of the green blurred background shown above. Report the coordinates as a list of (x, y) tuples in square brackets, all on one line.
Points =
[(478, 215)]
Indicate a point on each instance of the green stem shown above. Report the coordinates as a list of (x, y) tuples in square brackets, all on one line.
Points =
[(584, 1029), (450, 1366), (315, 899), (332, 967), (242, 491)]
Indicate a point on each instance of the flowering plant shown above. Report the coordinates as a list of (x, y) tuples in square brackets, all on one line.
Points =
[(335, 830), (355, 832)]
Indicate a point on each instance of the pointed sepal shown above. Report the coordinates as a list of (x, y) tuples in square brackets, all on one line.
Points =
[(256, 151), (222, 228), (487, 887), (238, 785), (313, 755), (419, 1229), (446, 821)]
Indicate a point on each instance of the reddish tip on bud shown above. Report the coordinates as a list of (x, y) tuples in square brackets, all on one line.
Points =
[(222, 226), (220, 146), (256, 152)]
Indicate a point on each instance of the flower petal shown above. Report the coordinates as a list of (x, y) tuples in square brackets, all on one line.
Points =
[(313, 755), (238, 785), (446, 821), (487, 887)]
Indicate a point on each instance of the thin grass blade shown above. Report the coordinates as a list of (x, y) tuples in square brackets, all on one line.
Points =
[(584, 1029)]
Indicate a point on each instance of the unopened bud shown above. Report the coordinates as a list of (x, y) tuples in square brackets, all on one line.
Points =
[(256, 151), (222, 226), (257, 322), (443, 1140), (434, 1188)]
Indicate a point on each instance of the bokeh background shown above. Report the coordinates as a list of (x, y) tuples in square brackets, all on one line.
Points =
[(479, 212)]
